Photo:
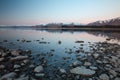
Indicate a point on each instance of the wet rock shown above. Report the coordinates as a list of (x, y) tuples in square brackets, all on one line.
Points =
[(2, 67), (62, 71), (23, 78), (16, 66), (39, 74), (75, 63), (113, 73), (59, 42), (104, 77), (1, 59), (31, 66), (87, 64), (17, 70), (15, 52), (5, 40), (11, 75), (95, 55), (79, 41), (19, 58), (93, 68), (26, 61), (38, 69), (118, 78), (82, 71)]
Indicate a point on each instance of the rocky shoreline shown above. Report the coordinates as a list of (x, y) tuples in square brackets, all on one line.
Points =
[(101, 63)]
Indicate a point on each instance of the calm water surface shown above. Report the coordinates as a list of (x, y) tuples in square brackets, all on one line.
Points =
[(52, 37)]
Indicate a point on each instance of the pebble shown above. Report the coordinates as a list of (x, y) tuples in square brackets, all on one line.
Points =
[(38, 69), (104, 77), (82, 71)]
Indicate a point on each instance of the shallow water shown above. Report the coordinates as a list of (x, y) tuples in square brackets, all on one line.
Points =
[(47, 42)]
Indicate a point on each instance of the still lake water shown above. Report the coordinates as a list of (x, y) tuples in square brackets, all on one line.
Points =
[(46, 41)]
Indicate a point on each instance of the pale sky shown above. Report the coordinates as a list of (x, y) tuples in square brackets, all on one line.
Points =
[(34, 12)]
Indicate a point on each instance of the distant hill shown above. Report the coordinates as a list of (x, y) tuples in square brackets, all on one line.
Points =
[(110, 22)]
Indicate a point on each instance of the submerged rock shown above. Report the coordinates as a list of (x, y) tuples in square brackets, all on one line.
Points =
[(11, 75), (104, 77), (82, 71), (38, 69), (62, 71)]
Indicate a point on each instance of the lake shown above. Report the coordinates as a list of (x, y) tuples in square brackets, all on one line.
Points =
[(60, 47)]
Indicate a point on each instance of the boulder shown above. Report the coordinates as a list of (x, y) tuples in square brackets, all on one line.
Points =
[(8, 76), (104, 77), (82, 71), (38, 69)]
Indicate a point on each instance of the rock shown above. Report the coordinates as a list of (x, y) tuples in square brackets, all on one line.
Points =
[(22, 64), (82, 71), (31, 66), (15, 52), (26, 61), (23, 78), (18, 58), (75, 63), (95, 55), (16, 66), (113, 73), (1, 59), (9, 75), (98, 61), (4, 54), (93, 68), (118, 78), (39, 74), (87, 64), (28, 51), (79, 41), (59, 42), (2, 67), (104, 77), (62, 71), (16, 70), (38, 69)]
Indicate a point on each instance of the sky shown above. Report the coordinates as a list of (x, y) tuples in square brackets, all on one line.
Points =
[(35, 12)]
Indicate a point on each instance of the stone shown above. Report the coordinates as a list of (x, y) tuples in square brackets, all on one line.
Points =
[(31, 66), (82, 71), (62, 71), (113, 73), (18, 58), (2, 66), (93, 68), (118, 78), (1, 59), (38, 69), (75, 63), (23, 78), (16, 66), (87, 64), (95, 55), (104, 77), (39, 74), (9, 75), (26, 61), (15, 52)]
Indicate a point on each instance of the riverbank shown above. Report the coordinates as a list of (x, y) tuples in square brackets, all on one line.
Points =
[(102, 62)]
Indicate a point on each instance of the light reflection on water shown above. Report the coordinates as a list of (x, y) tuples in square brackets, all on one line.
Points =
[(67, 38)]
